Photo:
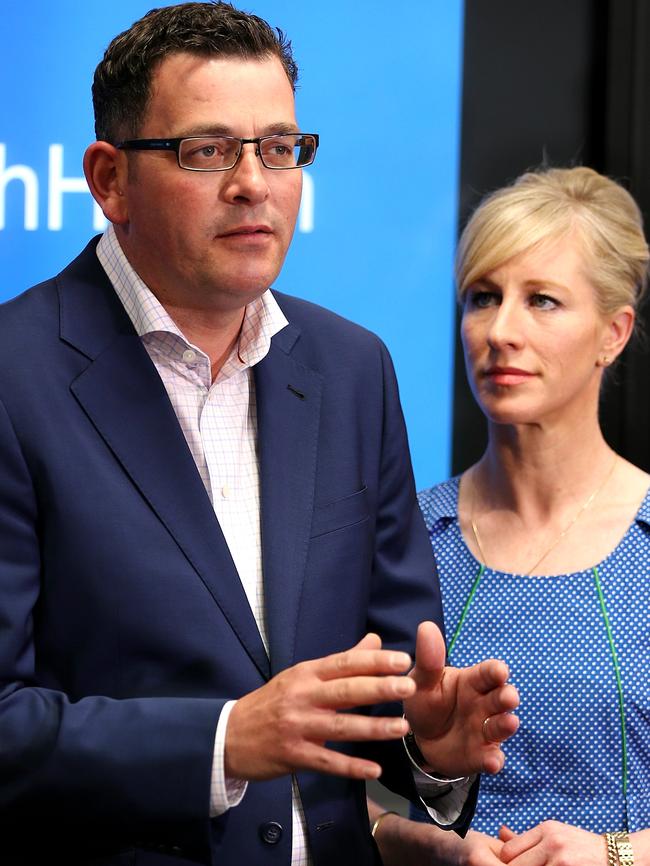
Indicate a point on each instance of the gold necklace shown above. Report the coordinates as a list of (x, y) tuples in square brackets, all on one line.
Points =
[(571, 523)]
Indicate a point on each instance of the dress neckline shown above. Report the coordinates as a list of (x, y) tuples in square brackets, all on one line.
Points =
[(449, 509)]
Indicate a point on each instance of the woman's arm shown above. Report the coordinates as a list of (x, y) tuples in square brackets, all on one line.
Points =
[(403, 842), (641, 847)]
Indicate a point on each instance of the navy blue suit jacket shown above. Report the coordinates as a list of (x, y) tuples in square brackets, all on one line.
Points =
[(123, 624)]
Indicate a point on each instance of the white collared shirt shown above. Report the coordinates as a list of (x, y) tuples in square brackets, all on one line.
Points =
[(219, 422)]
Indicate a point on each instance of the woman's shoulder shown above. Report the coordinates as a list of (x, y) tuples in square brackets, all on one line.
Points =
[(643, 512), (633, 491), (440, 502)]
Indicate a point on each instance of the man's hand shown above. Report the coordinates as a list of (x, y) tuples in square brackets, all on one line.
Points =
[(283, 726), (459, 716), (554, 844)]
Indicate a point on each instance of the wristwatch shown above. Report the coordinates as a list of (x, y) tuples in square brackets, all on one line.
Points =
[(624, 848), (619, 849)]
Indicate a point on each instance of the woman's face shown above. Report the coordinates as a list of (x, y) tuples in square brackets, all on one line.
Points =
[(533, 336)]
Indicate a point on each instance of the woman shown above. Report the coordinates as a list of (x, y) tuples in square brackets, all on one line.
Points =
[(543, 546)]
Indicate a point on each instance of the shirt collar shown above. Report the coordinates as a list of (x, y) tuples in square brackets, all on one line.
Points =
[(262, 318)]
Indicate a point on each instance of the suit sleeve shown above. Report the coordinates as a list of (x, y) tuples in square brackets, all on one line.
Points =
[(97, 764), (405, 582)]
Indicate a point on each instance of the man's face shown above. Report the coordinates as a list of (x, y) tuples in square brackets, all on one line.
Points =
[(212, 240)]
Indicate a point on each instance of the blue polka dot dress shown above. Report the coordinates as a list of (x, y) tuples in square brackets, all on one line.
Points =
[(566, 761)]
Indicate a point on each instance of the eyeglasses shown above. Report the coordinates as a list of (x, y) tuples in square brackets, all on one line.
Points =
[(222, 152)]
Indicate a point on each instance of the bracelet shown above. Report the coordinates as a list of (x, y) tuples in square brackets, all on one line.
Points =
[(612, 854), (445, 784), (378, 821), (619, 849)]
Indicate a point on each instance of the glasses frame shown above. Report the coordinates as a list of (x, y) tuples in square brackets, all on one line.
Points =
[(175, 145)]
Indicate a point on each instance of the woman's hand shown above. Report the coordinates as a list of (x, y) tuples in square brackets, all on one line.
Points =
[(477, 849), (553, 844)]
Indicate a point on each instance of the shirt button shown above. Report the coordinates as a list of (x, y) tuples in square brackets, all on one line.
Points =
[(225, 491), (271, 832), (189, 355)]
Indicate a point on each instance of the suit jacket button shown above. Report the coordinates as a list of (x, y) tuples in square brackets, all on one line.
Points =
[(270, 832)]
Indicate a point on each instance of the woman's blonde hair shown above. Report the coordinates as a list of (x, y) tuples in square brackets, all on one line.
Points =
[(547, 204)]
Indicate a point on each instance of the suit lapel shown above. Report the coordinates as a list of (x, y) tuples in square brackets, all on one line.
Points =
[(288, 410), (123, 396)]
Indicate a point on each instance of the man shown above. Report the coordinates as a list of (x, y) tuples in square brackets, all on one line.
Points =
[(207, 513)]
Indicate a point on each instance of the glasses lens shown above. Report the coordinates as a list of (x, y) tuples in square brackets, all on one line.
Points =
[(287, 151), (209, 153)]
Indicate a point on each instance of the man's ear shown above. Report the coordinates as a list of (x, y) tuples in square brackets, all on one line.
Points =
[(106, 173), (617, 333)]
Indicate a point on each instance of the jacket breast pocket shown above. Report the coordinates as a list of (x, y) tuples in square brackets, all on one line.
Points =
[(340, 513)]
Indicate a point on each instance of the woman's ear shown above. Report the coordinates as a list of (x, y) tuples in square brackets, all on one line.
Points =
[(106, 173), (618, 331)]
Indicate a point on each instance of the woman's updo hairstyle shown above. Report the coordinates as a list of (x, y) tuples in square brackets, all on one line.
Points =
[(548, 204)]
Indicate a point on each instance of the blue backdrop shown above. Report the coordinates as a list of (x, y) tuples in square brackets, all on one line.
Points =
[(378, 221)]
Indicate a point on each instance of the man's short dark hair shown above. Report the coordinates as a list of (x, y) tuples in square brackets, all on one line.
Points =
[(122, 83)]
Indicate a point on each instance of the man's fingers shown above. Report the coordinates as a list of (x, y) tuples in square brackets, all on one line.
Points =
[(498, 697), (430, 655), (505, 699), (488, 675), (498, 728), (270, 728), (348, 727), (492, 761), (369, 641), (361, 661), (324, 760), (361, 691)]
